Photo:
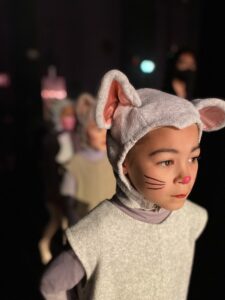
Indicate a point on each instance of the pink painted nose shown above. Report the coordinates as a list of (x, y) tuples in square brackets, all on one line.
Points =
[(186, 179)]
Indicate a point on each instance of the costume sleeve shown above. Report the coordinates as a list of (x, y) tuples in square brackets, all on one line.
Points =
[(63, 273), (65, 148), (85, 239), (68, 186)]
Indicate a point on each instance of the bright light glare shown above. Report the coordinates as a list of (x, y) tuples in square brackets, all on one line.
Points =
[(4, 80), (53, 94), (147, 66)]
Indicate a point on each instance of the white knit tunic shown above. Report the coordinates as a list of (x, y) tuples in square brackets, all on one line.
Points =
[(128, 259)]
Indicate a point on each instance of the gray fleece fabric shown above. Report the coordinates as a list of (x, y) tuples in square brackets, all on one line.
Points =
[(129, 114), (128, 259)]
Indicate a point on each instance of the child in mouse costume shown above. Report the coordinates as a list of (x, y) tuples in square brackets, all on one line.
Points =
[(140, 244), (89, 176), (57, 143)]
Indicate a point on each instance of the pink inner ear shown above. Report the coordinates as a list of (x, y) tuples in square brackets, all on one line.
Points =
[(116, 96), (212, 117)]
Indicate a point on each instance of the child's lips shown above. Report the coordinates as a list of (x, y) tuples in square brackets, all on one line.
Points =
[(180, 196)]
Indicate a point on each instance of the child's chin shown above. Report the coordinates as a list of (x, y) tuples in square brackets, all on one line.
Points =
[(174, 205)]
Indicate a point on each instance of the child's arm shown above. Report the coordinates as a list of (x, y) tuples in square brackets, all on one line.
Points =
[(63, 273)]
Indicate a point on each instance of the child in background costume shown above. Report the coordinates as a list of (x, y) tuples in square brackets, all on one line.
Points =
[(181, 74), (58, 143), (89, 177), (140, 244)]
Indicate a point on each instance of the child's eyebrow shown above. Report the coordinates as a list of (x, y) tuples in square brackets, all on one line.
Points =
[(171, 150)]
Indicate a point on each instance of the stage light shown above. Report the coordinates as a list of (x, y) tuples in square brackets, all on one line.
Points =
[(4, 80), (53, 86), (147, 66)]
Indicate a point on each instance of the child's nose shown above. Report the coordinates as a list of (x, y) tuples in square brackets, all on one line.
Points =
[(185, 179)]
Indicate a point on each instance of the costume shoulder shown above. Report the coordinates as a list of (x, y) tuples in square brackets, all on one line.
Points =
[(84, 237), (198, 217), (90, 223)]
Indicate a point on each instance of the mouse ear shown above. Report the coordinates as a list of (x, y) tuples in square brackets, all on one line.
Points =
[(115, 90), (84, 103), (212, 113)]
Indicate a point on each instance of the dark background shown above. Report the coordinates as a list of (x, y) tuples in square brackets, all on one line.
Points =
[(84, 39)]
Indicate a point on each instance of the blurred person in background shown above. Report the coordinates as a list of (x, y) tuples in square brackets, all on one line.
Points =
[(181, 73), (89, 167), (58, 146)]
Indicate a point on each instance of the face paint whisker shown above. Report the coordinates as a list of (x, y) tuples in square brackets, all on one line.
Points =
[(160, 184), (153, 178)]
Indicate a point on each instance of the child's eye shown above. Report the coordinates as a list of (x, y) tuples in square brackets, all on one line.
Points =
[(194, 159), (165, 163)]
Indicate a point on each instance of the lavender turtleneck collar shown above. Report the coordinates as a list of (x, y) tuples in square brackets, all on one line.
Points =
[(153, 214)]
